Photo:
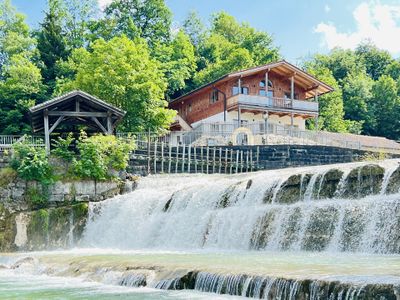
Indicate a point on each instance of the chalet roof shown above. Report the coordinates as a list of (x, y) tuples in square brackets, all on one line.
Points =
[(282, 68), (67, 103)]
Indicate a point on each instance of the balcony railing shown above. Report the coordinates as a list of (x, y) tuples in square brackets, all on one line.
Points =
[(273, 102)]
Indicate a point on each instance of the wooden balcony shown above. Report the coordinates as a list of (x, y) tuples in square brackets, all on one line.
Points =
[(272, 104)]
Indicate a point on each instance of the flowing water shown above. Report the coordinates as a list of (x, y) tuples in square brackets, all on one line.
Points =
[(330, 232)]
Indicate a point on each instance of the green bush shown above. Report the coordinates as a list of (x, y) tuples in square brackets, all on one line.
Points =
[(31, 163), (7, 175), (99, 154), (61, 148)]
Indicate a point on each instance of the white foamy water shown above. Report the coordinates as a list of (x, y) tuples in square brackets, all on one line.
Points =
[(229, 212)]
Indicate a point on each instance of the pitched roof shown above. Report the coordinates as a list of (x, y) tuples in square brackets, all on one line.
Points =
[(282, 67), (67, 96), (67, 102)]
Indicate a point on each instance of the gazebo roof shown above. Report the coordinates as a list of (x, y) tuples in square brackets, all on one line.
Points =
[(88, 107)]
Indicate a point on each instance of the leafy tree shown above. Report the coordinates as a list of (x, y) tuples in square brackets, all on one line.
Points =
[(195, 29), (357, 97), (20, 79), (376, 61), (339, 61), (51, 45), (149, 19), (78, 15), (121, 72), (386, 107), (331, 104), (393, 69), (177, 61), (229, 46)]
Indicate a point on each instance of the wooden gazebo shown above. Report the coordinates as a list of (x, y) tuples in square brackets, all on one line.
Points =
[(72, 109)]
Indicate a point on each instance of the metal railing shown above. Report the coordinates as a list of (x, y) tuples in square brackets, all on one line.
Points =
[(7, 141)]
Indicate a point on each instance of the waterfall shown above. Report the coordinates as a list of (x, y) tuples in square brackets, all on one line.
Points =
[(330, 208)]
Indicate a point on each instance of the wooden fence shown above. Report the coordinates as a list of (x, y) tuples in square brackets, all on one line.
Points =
[(165, 158)]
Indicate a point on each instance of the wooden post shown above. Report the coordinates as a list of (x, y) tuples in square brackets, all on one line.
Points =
[(207, 161), (195, 159), (214, 158), (251, 160), (170, 158), (109, 124), (201, 158), (247, 161), (183, 158), (241, 162), (231, 162), (189, 150), (258, 157), (220, 160), (176, 158), (226, 161), (46, 130), (237, 161), (162, 157), (239, 116), (155, 157), (266, 84)]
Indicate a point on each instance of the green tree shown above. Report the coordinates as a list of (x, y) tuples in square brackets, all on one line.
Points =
[(386, 107), (149, 19), (374, 59), (357, 97), (51, 45), (230, 46), (330, 105), (339, 61), (177, 61), (121, 72), (20, 79)]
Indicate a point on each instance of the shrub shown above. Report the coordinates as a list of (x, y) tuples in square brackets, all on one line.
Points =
[(31, 163), (99, 154), (61, 148)]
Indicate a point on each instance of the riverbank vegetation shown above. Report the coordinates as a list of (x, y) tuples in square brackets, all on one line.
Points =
[(132, 56), (96, 158)]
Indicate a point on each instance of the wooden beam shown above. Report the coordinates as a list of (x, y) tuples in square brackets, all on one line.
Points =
[(46, 131), (59, 120), (100, 125), (109, 124), (77, 105), (77, 114)]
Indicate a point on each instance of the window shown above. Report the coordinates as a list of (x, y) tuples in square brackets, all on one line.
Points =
[(262, 92), (214, 96), (235, 90)]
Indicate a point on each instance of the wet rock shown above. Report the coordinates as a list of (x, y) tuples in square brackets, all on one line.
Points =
[(394, 183), (23, 261), (364, 181)]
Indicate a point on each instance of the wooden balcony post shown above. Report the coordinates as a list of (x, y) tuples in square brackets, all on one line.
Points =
[(239, 116), (292, 89), (266, 84), (240, 85)]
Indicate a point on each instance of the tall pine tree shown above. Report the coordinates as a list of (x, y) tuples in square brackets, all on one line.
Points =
[(51, 45)]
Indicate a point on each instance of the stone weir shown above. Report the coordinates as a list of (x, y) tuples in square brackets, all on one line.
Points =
[(61, 220), (344, 207), (131, 272)]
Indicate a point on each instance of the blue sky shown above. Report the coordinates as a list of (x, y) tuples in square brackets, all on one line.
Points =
[(299, 27)]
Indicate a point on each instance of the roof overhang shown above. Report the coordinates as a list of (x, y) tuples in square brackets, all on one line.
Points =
[(282, 68)]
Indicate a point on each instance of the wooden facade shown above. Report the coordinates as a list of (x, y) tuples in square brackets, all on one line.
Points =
[(241, 96)]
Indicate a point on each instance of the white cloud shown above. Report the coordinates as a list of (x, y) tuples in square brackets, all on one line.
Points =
[(375, 22), (327, 8), (103, 3)]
